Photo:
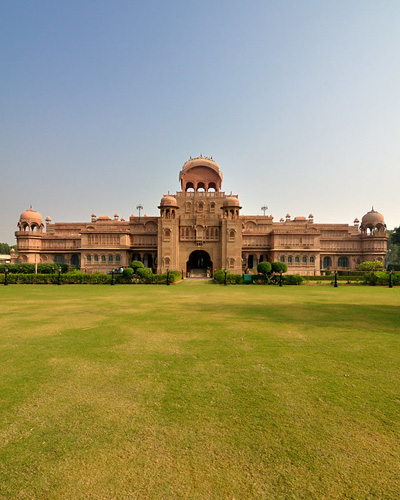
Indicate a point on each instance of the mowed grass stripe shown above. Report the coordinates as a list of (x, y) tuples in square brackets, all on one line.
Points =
[(199, 391)]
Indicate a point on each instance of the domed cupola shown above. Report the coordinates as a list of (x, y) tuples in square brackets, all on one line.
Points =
[(373, 221), (168, 201), (231, 201), (168, 207), (200, 174), (30, 220), (231, 207)]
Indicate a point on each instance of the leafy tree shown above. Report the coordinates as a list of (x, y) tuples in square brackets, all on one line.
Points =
[(264, 268), (5, 248), (395, 236), (277, 267), (370, 266), (135, 264)]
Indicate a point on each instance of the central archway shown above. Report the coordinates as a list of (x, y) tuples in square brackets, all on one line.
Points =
[(198, 264)]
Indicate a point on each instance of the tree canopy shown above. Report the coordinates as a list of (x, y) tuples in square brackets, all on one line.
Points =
[(370, 266), (5, 248), (277, 267), (395, 237), (264, 268)]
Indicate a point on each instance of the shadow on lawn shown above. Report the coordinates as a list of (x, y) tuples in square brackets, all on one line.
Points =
[(368, 317)]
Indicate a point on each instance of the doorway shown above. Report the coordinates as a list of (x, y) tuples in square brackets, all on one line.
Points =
[(198, 264)]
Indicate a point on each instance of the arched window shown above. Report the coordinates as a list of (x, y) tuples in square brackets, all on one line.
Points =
[(290, 259), (282, 259), (89, 258), (96, 258), (167, 261), (212, 207), (200, 207), (117, 258), (103, 258), (343, 262), (231, 235), (327, 262), (312, 260), (304, 260), (110, 258), (297, 259), (167, 235)]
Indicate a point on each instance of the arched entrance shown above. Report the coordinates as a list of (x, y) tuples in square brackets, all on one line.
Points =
[(198, 264)]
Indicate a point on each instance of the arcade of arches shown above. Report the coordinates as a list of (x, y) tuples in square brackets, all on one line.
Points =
[(200, 229)]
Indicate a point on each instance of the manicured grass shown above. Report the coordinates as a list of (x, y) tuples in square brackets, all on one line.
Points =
[(199, 391)]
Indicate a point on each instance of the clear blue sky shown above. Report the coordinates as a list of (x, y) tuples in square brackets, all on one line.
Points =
[(102, 102)]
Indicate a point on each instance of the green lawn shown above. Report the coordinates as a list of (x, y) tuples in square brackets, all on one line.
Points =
[(199, 391)]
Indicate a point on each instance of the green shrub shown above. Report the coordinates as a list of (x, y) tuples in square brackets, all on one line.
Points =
[(128, 272), (231, 279), (381, 278), (264, 268), (219, 275), (371, 266), (136, 264), (277, 267), (260, 279), (144, 273), (292, 279)]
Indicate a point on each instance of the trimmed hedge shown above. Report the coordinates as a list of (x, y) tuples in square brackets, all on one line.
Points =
[(30, 268), (258, 279), (231, 279), (79, 278), (75, 277), (357, 278)]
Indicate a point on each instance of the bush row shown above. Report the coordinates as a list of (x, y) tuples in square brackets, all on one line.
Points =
[(258, 279), (231, 279), (332, 278), (30, 268), (144, 275), (77, 277)]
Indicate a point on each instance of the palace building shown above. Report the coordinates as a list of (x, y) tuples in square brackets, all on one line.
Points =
[(200, 229)]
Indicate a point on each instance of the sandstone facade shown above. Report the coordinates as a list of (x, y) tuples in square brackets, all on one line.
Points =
[(201, 229)]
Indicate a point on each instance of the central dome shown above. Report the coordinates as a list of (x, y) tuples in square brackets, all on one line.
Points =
[(200, 173)]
